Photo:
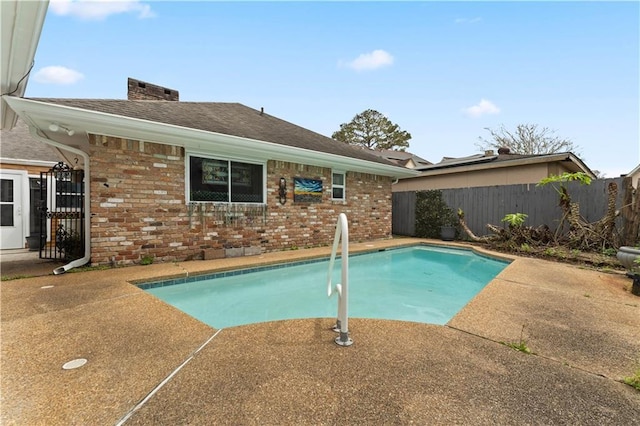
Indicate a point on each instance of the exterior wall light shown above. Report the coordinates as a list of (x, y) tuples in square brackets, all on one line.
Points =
[(55, 127)]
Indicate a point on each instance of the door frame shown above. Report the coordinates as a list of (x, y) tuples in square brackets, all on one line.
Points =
[(21, 220)]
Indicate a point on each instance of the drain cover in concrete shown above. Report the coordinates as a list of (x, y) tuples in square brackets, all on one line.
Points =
[(76, 363)]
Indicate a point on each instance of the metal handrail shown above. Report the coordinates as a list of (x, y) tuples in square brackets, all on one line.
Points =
[(342, 289)]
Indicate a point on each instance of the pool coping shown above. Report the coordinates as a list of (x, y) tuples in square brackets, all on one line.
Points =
[(271, 265)]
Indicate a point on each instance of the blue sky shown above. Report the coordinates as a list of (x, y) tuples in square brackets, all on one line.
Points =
[(443, 71)]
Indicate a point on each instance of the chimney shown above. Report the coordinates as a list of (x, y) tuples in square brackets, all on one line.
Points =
[(488, 152), (142, 91)]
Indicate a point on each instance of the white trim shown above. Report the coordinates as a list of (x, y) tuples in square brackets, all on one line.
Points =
[(22, 23), (42, 114), (35, 163)]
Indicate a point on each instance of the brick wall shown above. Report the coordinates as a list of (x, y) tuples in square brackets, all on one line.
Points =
[(138, 209)]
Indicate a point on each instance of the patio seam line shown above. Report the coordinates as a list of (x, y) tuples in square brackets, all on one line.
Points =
[(166, 380), (560, 362)]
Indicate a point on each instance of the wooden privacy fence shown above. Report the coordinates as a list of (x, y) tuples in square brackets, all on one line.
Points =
[(489, 204)]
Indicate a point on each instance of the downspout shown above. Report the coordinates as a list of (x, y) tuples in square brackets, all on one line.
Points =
[(87, 201)]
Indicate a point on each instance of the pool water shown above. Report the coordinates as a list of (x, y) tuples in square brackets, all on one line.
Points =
[(425, 284)]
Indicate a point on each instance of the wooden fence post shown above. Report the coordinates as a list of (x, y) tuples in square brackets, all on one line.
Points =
[(630, 213)]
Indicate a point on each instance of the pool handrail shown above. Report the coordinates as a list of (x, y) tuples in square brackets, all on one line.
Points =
[(342, 323)]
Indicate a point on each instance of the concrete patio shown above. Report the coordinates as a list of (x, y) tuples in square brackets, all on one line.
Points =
[(149, 363)]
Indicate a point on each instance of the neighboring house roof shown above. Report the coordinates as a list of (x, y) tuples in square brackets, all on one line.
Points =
[(636, 170), (402, 158), (489, 160), (228, 129), (21, 27), (19, 147), (635, 176)]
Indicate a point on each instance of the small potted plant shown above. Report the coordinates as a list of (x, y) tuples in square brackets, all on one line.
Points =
[(448, 225), (35, 242), (629, 257)]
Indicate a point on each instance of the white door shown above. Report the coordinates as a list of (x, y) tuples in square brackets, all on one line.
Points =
[(11, 225)]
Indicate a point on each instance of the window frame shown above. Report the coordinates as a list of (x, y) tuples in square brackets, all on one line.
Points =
[(342, 186), (229, 160)]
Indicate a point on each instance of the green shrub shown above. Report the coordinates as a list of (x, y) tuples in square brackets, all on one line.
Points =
[(432, 213), (70, 244), (515, 219)]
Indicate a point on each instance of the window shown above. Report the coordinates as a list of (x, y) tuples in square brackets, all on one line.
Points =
[(225, 181), (337, 187), (6, 198)]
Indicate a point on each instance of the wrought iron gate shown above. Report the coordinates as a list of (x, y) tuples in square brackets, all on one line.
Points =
[(62, 213)]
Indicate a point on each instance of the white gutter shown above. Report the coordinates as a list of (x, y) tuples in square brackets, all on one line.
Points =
[(87, 200)]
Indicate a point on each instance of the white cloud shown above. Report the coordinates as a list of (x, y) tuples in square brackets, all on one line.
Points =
[(57, 75), (99, 9), (481, 108), (468, 20), (370, 61)]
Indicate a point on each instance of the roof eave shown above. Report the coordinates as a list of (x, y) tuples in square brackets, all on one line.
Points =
[(41, 114), (575, 159), (22, 23), (490, 164)]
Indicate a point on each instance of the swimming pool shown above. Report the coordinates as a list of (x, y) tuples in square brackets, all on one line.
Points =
[(426, 284)]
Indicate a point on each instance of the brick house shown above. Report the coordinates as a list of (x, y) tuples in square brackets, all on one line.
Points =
[(175, 180)]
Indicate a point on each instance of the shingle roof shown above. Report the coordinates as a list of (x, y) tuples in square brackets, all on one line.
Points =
[(401, 157), (506, 159), (227, 118), (17, 144), (459, 161)]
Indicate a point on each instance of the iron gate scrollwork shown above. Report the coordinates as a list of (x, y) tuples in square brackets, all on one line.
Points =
[(62, 213)]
